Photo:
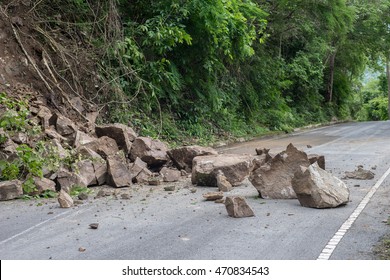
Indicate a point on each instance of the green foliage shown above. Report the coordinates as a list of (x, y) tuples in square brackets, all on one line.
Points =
[(76, 190)]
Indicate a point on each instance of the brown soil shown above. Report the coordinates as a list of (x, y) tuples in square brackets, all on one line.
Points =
[(45, 64)]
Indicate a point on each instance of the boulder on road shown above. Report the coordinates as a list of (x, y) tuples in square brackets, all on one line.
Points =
[(182, 157), (64, 199), (317, 188), (237, 207), (170, 175), (118, 173), (153, 152), (222, 183), (273, 179), (235, 168), (10, 189)]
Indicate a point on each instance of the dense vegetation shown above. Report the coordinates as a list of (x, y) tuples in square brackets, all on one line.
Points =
[(198, 69)]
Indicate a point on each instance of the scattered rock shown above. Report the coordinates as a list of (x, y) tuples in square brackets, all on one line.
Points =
[(273, 179), (169, 188), (94, 226), (10, 189), (103, 193), (222, 200), (170, 175), (153, 152), (222, 183), (118, 174), (360, 174), (210, 196), (317, 188), (136, 167), (83, 196), (125, 196), (235, 168), (64, 199), (237, 207), (82, 249), (182, 157)]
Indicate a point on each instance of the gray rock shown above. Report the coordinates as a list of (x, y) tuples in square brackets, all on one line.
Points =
[(64, 199), (211, 196), (317, 188), (222, 183), (64, 126), (153, 152), (136, 168), (123, 135), (10, 190), (66, 180), (118, 173), (104, 146), (237, 207), (44, 184), (320, 159), (273, 179), (360, 174), (170, 175), (235, 168), (182, 157), (86, 171)]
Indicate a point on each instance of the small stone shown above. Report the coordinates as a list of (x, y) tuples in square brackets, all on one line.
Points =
[(83, 196), (169, 188), (94, 225), (82, 249), (125, 196), (193, 190), (210, 196)]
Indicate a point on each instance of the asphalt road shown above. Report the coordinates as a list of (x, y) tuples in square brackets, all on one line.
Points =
[(155, 224)]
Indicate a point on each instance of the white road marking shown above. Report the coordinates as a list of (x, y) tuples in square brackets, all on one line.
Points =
[(335, 240), (40, 224)]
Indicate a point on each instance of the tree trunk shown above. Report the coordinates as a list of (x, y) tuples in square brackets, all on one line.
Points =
[(329, 96), (388, 83)]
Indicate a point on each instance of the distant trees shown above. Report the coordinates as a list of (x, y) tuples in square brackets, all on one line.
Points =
[(208, 67)]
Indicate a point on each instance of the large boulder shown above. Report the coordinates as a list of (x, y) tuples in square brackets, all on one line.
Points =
[(153, 152), (118, 173), (234, 167), (123, 135), (98, 163), (237, 207), (320, 159), (182, 157), (10, 189), (317, 188), (104, 146), (273, 178)]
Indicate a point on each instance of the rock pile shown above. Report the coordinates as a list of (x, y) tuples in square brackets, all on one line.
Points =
[(113, 154)]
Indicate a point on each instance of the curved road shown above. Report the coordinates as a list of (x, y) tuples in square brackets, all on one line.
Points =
[(155, 224)]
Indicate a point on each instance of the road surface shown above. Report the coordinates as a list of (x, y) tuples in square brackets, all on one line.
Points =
[(155, 224)]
